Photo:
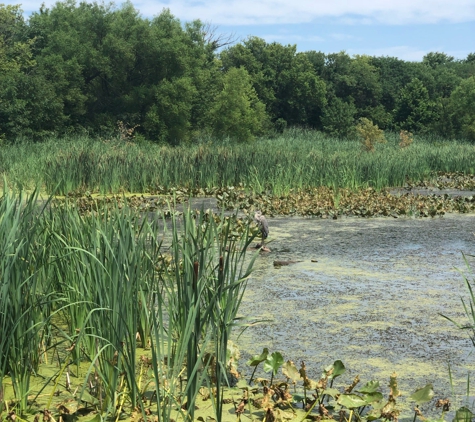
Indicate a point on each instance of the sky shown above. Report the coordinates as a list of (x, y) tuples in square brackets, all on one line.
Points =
[(407, 29)]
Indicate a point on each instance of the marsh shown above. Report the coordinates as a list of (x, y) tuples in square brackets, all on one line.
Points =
[(372, 297)]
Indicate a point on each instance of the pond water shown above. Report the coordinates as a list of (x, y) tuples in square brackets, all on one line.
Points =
[(372, 299)]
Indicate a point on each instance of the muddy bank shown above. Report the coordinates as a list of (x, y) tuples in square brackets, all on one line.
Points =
[(373, 299)]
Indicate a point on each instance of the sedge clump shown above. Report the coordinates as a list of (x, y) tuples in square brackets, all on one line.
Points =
[(369, 134), (406, 138)]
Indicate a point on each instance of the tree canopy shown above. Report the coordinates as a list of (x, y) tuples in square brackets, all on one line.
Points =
[(79, 67)]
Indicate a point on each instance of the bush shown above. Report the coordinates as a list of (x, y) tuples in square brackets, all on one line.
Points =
[(369, 134), (406, 138)]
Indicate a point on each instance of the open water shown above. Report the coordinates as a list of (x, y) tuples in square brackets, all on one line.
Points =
[(373, 299)]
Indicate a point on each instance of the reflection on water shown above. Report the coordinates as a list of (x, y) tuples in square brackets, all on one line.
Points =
[(373, 299)]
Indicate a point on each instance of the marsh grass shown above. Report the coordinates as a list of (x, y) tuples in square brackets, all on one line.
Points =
[(297, 159), (105, 271), (201, 294), (25, 292), (468, 303), (89, 286)]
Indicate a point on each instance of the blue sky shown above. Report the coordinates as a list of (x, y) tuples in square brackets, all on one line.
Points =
[(407, 29)]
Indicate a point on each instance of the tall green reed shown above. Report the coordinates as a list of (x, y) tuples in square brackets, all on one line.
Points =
[(197, 308), (106, 272), (296, 159), (468, 325), (25, 292), (225, 296), (102, 277), (468, 304)]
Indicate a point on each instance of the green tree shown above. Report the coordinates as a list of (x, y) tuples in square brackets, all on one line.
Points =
[(206, 72), (367, 91), (394, 75), (238, 113), (354, 80), (466, 68), (253, 55), (462, 103), (339, 117), (71, 55), (414, 110), (108, 64), (285, 81), (338, 76), (436, 59), (15, 50), (168, 120), (300, 93), (28, 104)]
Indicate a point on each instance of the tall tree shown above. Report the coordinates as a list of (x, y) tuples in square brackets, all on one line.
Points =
[(169, 118), (436, 59), (28, 106), (414, 110), (394, 75), (462, 102), (339, 117), (238, 113), (284, 80), (366, 91), (109, 64)]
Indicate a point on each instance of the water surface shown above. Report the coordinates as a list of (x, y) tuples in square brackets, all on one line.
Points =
[(373, 299)]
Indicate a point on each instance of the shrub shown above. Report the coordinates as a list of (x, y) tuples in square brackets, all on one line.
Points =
[(406, 138), (369, 134)]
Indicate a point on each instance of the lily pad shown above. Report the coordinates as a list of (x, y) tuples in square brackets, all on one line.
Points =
[(335, 370), (370, 387), (290, 371), (351, 401), (273, 362), (423, 395), (333, 392), (373, 397), (257, 359)]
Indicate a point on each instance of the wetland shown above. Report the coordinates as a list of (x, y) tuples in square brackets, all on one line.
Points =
[(369, 292), (104, 314)]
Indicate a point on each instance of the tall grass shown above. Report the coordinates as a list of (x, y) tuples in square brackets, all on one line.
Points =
[(296, 159), (201, 295), (26, 296), (92, 282), (105, 270)]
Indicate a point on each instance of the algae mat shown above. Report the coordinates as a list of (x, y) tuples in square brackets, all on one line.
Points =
[(373, 298)]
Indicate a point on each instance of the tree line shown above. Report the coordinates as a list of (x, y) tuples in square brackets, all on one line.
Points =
[(89, 67)]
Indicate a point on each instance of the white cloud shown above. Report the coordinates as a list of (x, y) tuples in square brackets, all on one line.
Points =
[(253, 12), (291, 38), (342, 37), (259, 12)]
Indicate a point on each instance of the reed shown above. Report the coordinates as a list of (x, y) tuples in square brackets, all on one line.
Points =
[(104, 271), (25, 292), (87, 284), (197, 308), (296, 159)]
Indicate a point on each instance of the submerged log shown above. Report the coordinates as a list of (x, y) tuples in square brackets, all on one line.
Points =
[(283, 263)]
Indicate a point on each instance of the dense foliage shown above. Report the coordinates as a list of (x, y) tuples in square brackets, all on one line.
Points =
[(85, 67)]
